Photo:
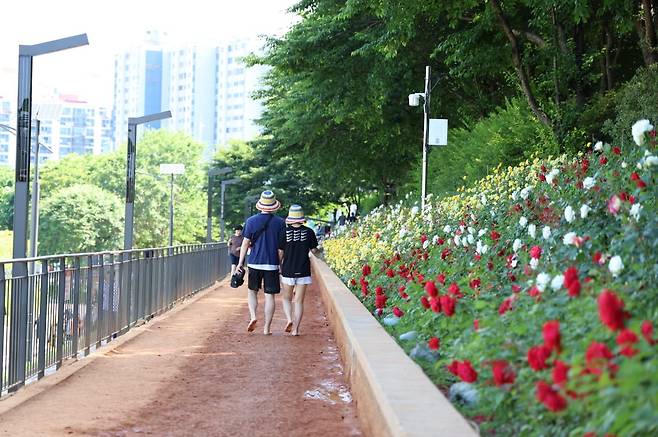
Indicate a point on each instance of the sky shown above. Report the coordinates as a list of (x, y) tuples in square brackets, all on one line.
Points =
[(115, 25)]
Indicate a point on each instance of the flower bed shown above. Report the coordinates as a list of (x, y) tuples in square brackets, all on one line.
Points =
[(530, 298)]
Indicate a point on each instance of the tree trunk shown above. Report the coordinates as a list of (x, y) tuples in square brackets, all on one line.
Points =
[(518, 65), (579, 39), (650, 31)]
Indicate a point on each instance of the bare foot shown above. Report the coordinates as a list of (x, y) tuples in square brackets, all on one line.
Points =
[(252, 325)]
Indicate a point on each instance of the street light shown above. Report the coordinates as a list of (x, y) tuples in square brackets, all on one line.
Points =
[(171, 169), (133, 122), (435, 131), (224, 184), (26, 53), (213, 172)]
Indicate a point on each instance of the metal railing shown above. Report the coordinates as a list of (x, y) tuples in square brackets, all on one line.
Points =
[(73, 304)]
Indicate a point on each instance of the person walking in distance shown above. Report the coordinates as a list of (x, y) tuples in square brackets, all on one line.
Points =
[(261, 233), (234, 245), (295, 243)]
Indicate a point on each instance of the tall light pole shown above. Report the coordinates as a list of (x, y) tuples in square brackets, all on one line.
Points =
[(171, 169), (133, 122), (414, 101), (212, 172), (26, 53), (224, 184)]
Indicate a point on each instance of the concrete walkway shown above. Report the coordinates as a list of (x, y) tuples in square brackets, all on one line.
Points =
[(196, 371)]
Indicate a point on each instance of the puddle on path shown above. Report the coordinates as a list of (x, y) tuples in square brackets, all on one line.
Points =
[(331, 392)]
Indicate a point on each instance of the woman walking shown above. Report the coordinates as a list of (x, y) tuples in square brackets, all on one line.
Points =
[(295, 243)]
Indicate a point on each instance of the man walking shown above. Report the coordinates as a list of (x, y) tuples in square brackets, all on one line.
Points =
[(261, 232)]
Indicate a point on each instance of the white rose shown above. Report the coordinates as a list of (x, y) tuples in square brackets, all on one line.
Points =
[(464, 241), (414, 210), (624, 165), (534, 263), (402, 233), (456, 240), (615, 266), (589, 182), (484, 249), (546, 232), (557, 282), (598, 146), (569, 238), (650, 161), (523, 221), (426, 243), (584, 210), (532, 230), (481, 232), (515, 195), (525, 192), (569, 214), (638, 130), (470, 239), (447, 229), (516, 245), (483, 200), (470, 230), (515, 261), (635, 211), (542, 281), (435, 239)]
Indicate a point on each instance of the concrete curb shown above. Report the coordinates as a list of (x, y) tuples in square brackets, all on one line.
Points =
[(71, 365), (393, 396)]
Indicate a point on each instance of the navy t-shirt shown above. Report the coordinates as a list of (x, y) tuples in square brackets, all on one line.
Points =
[(264, 254)]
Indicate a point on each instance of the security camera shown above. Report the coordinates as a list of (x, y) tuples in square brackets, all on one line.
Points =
[(414, 99)]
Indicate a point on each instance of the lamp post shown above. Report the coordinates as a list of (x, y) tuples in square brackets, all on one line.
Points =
[(224, 184), (171, 169), (133, 122), (414, 100), (26, 54), (213, 172)]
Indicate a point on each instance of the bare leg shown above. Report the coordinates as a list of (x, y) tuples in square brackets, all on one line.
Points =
[(269, 312), (253, 303), (233, 266), (286, 295), (300, 291)]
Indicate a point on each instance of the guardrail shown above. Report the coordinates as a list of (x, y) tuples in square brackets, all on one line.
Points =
[(71, 304)]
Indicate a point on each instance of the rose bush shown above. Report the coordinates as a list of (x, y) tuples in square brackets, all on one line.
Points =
[(537, 286)]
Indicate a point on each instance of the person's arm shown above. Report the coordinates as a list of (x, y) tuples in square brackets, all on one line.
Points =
[(243, 253)]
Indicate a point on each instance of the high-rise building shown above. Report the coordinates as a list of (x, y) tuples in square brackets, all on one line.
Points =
[(7, 139), (207, 89)]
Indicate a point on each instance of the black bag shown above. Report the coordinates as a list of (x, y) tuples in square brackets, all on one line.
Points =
[(237, 279)]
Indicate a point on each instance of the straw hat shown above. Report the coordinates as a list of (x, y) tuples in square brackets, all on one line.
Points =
[(267, 202), (295, 215)]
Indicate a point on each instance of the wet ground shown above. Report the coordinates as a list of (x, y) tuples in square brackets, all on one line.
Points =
[(198, 372)]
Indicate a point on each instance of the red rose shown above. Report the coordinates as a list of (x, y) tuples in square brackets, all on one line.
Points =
[(574, 288), (626, 339), (537, 356), (584, 165), (534, 291), (379, 290), (466, 372), (476, 324), (380, 301), (455, 291), (535, 252), (640, 184), (598, 258), (447, 305), (352, 282), (433, 343), (430, 289), (398, 312), (475, 283), (616, 150), (551, 333), (603, 160), (647, 331), (364, 289), (390, 273), (550, 397), (452, 367), (560, 372), (541, 177), (495, 235), (435, 304), (425, 302), (506, 305), (597, 357), (366, 270), (502, 372), (423, 238), (570, 275), (445, 254), (611, 310), (441, 278)]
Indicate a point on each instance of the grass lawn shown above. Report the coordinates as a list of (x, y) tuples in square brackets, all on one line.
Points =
[(5, 244)]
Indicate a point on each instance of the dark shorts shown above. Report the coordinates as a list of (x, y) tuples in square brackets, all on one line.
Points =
[(234, 259), (270, 278)]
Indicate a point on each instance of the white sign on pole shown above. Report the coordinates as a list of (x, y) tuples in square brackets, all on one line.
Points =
[(438, 135), (172, 168)]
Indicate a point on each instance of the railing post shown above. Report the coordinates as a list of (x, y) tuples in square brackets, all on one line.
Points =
[(60, 311), (101, 300), (76, 305), (88, 304), (2, 325), (128, 256), (110, 294), (43, 313)]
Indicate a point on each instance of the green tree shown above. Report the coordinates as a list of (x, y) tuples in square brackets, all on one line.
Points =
[(6, 197), (80, 218)]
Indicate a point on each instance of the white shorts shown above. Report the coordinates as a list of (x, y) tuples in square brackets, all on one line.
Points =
[(296, 281)]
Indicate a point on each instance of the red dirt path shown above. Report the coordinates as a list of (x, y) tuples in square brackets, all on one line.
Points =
[(198, 372)]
